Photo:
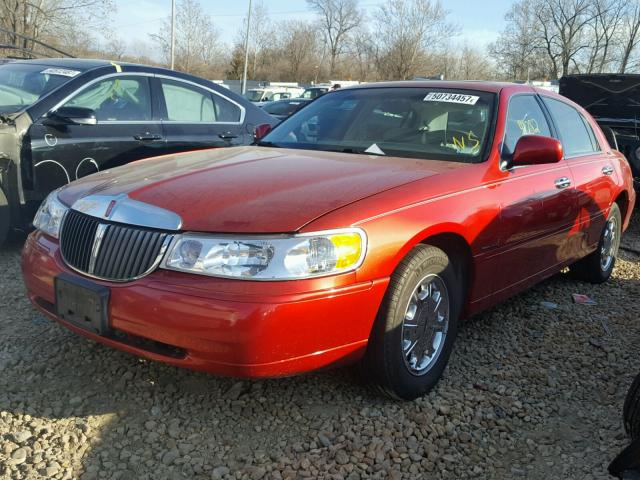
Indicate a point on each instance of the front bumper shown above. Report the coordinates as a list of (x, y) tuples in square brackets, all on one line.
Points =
[(226, 327)]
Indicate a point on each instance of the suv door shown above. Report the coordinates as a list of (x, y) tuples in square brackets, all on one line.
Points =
[(125, 131), (592, 171), (537, 207), (194, 117)]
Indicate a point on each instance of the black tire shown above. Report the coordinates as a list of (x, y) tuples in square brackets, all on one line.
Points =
[(386, 361), (5, 217), (591, 269), (631, 410)]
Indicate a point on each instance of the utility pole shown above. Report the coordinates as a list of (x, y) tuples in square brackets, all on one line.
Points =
[(246, 52), (173, 33)]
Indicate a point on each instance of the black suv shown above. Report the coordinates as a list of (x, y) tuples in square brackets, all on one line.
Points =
[(62, 119)]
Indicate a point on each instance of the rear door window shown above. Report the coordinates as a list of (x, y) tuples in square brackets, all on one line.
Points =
[(575, 133), (190, 104), (524, 117)]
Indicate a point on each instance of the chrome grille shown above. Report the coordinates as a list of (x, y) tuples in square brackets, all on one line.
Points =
[(110, 251)]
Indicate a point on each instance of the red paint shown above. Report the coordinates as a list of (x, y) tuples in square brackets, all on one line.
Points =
[(516, 226), (537, 150)]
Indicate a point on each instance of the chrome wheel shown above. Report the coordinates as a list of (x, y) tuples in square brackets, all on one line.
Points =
[(425, 324), (609, 248)]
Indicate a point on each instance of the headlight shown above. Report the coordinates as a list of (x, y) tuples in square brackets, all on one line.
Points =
[(49, 216), (268, 257)]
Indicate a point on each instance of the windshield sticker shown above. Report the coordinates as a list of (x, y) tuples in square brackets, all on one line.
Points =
[(528, 126), (60, 71), (451, 98), (374, 150)]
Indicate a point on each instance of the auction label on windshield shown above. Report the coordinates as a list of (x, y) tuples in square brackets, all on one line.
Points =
[(451, 98), (60, 71)]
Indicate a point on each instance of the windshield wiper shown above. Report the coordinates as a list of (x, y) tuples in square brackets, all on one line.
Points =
[(267, 144)]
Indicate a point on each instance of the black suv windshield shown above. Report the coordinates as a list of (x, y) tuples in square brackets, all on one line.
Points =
[(22, 84), (433, 123)]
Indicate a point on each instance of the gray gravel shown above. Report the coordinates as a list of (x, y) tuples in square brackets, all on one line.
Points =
[(531, 392)]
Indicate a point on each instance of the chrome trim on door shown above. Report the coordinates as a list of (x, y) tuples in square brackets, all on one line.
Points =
[(607, 170), (563, 182)]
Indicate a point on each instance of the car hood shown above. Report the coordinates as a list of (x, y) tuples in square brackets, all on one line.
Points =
[(609, 98), (253, 189)]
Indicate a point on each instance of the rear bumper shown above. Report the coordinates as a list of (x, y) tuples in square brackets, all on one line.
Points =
[(226, 327)]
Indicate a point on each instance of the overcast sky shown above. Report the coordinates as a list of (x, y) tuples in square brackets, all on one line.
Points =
[(480, 21)]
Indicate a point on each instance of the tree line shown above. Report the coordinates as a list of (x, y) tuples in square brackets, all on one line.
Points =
[(397, 40)]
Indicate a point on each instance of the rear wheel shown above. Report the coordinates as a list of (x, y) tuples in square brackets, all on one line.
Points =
[(597, 267), (416, 326), (5, 217)]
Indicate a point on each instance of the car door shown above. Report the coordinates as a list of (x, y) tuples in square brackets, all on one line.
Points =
[(537, 205), (592, 171), (125, 130), (194, 117)]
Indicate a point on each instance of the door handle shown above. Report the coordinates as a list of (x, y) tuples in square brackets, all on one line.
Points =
[(607, 170), (227, 136), (563, 182), (147, 137)]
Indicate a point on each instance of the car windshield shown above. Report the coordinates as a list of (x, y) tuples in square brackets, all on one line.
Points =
[(434, 123), (254, 95), (22, 84)]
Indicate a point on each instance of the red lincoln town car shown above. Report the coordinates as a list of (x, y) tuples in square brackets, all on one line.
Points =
[(363, 228)]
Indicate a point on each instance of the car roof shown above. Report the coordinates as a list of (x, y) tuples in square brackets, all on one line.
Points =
[(82, 64), (485, 86)]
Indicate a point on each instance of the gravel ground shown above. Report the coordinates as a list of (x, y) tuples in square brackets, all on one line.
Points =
[(530, 392)]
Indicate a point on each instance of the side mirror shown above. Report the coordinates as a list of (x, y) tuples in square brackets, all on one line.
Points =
[(261, 131), (536, 150), (71, 116)]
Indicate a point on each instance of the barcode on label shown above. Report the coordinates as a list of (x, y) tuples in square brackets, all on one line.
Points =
[(451, 98)]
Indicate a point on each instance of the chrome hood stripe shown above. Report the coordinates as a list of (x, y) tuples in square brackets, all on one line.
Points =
[(122, 209)]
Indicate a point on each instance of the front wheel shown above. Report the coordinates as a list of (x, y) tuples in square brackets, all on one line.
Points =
[(416, 325), (597, 267)]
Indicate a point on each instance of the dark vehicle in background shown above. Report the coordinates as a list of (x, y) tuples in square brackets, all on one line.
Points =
[(63, 119), (314, 92), (627, 464), (614, 101), (283, 109)]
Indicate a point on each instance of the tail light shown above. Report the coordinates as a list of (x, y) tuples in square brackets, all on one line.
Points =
[(261, 131)]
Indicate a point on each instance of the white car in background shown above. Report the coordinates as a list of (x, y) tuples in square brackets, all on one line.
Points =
[(259, 96)]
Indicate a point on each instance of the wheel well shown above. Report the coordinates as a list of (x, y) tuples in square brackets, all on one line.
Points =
[(459, 252), (623, 202)]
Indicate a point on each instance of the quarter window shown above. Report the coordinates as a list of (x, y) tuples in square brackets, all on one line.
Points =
[(524, 117), (116, 99), (194, 105), (576, 135)]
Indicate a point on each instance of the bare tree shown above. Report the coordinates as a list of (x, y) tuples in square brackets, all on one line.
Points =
[(298, 49), (405, 30), (362, 53), (338, 19), (62, 23), (607, 17), (197, 48), (631, 35), (516, 48), (562, 29)]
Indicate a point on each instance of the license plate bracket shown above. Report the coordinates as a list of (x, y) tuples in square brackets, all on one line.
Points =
[(82, 303)]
